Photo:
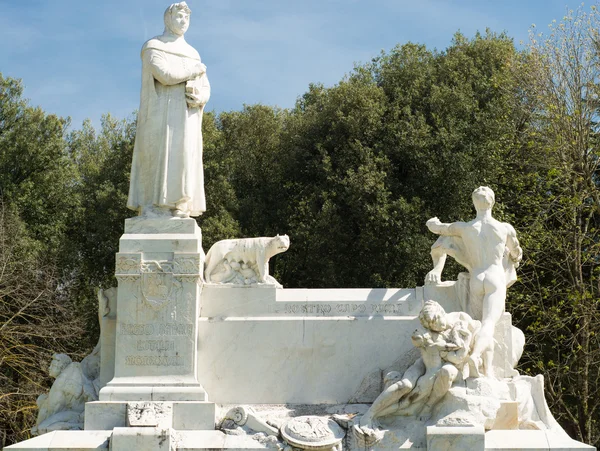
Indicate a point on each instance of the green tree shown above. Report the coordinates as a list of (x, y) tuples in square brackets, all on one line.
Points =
[(401, 139), (447, 127), (219, 221), (558, 200), (103, 161), (252, 140), (39, 198), (36, 172), (339, 208)]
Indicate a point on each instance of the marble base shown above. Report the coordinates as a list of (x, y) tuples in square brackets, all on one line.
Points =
[(141, 439), (286, 341), (455, 438), (159, 269), (154, 389), (65, 441), (402, 433), (127, 439), (186, 415), (524, 440), (263, 345)]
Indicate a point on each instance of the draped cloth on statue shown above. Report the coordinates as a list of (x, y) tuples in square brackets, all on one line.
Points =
[(167, 157)]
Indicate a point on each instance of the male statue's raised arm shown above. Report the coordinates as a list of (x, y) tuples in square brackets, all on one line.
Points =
[(446, 229)]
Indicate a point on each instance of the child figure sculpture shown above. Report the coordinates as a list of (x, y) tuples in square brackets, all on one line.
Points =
[(445, 346)]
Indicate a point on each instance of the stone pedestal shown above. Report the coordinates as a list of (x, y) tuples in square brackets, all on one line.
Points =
[(108, 333), (185, 415), (455, 438), (159, 269), (141, 438)]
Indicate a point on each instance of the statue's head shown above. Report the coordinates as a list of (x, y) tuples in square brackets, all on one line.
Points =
[(282, 242), (58, 364), (177, 18), (483, 198), (433, 317)]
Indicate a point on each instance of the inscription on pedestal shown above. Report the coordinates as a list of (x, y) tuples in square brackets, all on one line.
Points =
[(346, 309), (155, 345), (151, 339), (159, 269), (153, 360), (160, 329)]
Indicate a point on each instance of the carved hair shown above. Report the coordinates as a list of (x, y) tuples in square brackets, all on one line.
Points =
[(485, 193), (433, 316), (63, 359), (181, 6)]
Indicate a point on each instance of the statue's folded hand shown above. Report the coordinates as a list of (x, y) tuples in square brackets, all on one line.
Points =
[(198, 70), (193, 101)]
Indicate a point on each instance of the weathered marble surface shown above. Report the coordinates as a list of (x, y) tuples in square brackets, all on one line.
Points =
[(158, 299), (107, 312), (201, 440), (244, 261), (490, 250), (470, 438), (186, 415), (62, 408), (289, 344), (166, 174)]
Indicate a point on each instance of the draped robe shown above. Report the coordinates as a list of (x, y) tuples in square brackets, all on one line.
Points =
[(167, 158)]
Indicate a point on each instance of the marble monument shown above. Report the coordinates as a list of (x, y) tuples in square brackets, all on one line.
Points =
[(203, 352), (166, 172), (480, 245), (62, 408)]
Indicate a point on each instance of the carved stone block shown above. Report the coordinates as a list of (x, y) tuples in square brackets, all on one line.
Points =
[(149, 414), (160, 280), (140, 439), (470, 438)]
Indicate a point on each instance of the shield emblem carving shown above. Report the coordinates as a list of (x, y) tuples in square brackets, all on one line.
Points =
[(158, 285)]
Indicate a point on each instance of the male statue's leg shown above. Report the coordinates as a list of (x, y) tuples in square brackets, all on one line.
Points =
[(443, 382), (386, 402), (493, 307)]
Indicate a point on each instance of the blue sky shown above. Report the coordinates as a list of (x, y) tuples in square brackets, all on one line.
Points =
[(81, 58)]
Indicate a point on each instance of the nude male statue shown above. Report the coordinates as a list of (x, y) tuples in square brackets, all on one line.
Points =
[(480, 245)]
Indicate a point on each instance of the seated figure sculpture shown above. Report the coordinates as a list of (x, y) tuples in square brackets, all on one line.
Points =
[(445, 346), (489, 249), (63, 407)]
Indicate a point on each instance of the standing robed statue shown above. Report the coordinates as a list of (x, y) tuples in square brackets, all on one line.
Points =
[(167, 177)]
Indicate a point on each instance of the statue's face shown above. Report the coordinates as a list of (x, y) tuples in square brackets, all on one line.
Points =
[(58, 364), (55, 368), (180, 22), (439, 324)]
